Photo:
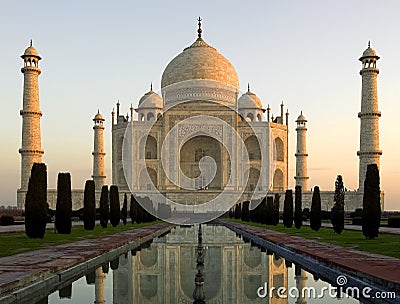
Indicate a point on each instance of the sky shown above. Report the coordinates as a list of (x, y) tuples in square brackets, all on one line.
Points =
[(302, 52)]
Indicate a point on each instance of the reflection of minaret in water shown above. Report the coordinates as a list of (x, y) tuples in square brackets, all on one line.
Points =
[(198, 292), (300, 278), (99, 286)]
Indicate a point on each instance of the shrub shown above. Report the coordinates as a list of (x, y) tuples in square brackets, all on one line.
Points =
[(6, 220), (104, 208), (133, 209), (64, 204), (36, 202), (115, 212), (261, 212), (246, 211), (269, 213), (394, 222), (124, 211), (371, 203), (238, 211), (357, 220), (89, 206), (276, 209), (288, 209), (338, 208), (315, 215), (306, 213), (298, 214)]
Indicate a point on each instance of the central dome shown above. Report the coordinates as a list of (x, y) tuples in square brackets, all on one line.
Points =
[(200, 61)]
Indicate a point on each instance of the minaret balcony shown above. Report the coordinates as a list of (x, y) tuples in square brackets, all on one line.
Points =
[(371, 114), (369, 153)]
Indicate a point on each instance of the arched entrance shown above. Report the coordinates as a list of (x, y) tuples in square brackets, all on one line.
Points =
[(193, 151)]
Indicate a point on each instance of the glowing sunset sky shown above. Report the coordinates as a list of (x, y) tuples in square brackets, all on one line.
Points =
[(302, 52)]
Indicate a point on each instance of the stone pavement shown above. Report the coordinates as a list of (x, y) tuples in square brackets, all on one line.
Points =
[(388, 230), (385, 269), (21, 228), (41, 268)]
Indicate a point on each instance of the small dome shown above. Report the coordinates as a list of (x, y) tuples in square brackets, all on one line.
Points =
[(98, 117), (200, 61), (301, 118), (151, 100), (249, 100), (369, 52), (31, 51)]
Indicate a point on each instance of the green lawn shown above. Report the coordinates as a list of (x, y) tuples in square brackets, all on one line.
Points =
[(14, 243), (385, 244)]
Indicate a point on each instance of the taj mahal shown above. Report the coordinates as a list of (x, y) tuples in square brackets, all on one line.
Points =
[(199, 138)]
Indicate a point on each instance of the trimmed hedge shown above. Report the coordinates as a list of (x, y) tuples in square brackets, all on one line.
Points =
[(6, 220), (115, 211), (64, 204), (89, 206), (36, 202), (394, 222)]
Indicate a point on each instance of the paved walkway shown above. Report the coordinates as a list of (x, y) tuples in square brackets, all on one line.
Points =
[(374, 265), (21, 228), (49, 265), (387, 230)]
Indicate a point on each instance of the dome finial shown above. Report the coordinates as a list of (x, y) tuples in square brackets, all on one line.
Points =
[(369, 43), (199, 31), (31, 42), (151, 86), (248, 87)]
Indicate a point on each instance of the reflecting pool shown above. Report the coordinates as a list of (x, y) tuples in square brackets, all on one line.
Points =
[(164, 271)]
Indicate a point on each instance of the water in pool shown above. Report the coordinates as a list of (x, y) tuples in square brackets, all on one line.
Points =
[(164, 272)]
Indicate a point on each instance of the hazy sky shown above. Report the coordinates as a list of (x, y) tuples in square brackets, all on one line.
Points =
[(302, 52)]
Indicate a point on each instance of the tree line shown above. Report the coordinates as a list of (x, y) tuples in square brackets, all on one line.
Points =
[(266, 211), (37, 209)]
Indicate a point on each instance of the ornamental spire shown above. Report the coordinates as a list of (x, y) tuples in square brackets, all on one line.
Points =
[(248, 87), (31, 42), (369, 43), (199, 31)]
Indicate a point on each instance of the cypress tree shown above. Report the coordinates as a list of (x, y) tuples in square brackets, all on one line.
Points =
[(288, 209), (298, 213), (371, 215), (238, 212), (276, 209), (337, 218), (64, 204), (132, 209), (246, 211), (104, 207), (269, 213), (259, 212), (36, 202), (89, 205), (124, 211), (115, 212), (315, 215), (140, 213)]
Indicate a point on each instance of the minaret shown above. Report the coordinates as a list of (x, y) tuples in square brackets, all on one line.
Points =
[(369, 152), (31, 149), (301, 153), (99, 286), (98, 152)]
